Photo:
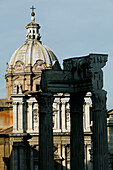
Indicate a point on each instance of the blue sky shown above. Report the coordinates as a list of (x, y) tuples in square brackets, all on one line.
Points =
[(68, 27)]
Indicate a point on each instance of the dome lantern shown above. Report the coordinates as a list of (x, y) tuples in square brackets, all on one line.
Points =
[(33, 28)]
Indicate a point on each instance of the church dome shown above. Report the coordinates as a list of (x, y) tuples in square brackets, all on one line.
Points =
[(33, 49)]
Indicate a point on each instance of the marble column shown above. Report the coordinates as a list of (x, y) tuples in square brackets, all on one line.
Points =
[(20, 117), (63, 116), (59, 117), (15, 117), (30, 117), (77, 137), (100, 146), (46, 157), (87, 113)]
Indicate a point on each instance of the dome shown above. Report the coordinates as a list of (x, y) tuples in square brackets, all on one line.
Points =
[(33, 49), (28, 61)]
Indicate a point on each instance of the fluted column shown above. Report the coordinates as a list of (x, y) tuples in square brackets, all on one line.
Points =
[(15, 157), (100, 146), (46, 158), (22, 155), (77, 137)]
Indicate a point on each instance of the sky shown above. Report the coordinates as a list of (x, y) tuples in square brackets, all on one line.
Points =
[(70, 28)]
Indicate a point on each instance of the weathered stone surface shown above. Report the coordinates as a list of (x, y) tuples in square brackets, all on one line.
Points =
[(80, 74), (46, 157), (100, 145), (77, 136)]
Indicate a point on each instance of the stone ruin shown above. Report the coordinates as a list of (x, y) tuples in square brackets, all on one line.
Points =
[(79, 76)]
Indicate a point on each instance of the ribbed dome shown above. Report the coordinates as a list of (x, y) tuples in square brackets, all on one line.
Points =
[(31, 51)]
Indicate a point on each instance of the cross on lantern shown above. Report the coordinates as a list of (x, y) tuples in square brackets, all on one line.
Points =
[(32, 8)]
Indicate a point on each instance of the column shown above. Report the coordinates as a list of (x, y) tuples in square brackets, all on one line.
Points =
[(30, 117), (68, 117), (100, 146), (46, 157), (15, 116), (63, 116), (22, 157), (77, 137), (55, 119), (58, 108), (15, 157), (20, 117), (31, 158), (87, 113)]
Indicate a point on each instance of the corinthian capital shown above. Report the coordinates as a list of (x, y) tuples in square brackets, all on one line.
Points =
[(99, 100), (45, 102)]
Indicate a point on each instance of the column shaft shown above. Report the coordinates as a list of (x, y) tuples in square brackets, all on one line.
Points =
[(63, 116), (15, 157), (30, 118), (46, 157), (100, 145), (14, 116), (59, 118), (77, 138), (20, 117)]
